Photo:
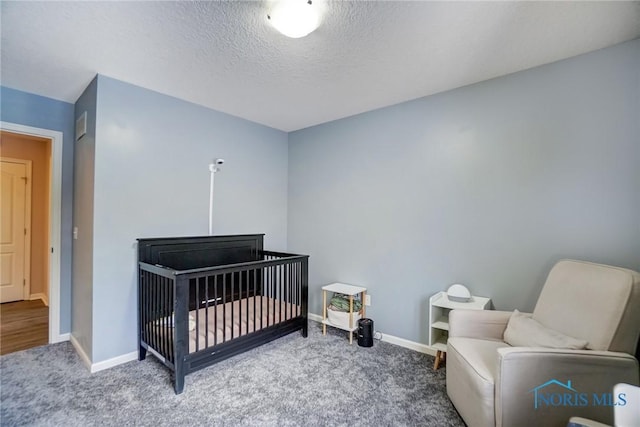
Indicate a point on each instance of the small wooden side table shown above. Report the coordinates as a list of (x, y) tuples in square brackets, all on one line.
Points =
[(351, 291)]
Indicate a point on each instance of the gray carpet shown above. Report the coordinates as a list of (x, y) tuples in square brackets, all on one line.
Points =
[(293, 381)]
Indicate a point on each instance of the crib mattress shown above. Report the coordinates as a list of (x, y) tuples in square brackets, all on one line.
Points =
[(224, 322)]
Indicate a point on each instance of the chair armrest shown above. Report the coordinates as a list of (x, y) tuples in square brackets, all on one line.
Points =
[(583, 422), (483, 324), (550, 384), (518, 353)]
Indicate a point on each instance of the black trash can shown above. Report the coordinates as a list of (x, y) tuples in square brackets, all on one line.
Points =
[(365, 332)]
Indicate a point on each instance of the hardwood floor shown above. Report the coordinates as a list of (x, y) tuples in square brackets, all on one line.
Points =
[(23, 325)]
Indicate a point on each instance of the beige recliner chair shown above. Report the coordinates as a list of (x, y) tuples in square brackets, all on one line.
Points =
[(564, 359)]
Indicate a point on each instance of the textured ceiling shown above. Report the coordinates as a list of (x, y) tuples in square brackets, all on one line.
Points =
[(364, 55)]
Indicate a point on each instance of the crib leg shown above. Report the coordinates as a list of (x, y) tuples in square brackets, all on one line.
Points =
[(142, 353), (305, 330), (179, 383)]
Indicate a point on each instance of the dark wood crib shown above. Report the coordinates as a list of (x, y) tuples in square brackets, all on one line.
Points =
[(204, 299)]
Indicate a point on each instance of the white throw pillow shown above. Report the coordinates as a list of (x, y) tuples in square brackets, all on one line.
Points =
[(523, 331)]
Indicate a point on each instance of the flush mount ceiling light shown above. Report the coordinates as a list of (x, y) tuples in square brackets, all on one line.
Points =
[(294, 18)]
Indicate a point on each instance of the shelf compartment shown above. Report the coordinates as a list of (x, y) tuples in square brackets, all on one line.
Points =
[(344, 328), (441, 323), (440, 345)]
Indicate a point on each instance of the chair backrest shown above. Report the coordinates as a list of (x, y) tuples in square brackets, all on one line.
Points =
[(593, 302)]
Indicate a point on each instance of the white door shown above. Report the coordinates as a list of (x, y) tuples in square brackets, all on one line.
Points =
[(13, 183)]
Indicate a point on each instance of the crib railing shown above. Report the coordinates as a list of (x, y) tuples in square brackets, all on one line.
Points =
[(156, 300), (226, 302)]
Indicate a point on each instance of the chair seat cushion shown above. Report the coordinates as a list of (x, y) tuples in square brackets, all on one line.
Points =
[(479, 355), (471, 373)]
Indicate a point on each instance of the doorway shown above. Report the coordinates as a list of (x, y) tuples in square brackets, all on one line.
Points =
[(26, 164)]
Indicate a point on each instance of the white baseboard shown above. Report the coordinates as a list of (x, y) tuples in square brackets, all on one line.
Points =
[(60, 338), (115, 361), (105, 364), (41, 296), (314, 317), (419, 347), (81, 353), (416, 346), (110, 363)]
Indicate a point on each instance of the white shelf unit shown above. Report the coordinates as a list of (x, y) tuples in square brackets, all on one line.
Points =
[(439, 308), (351, 291)]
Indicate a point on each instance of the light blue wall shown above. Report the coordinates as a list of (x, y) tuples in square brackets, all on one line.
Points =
[(487, 185), (83, 219), (152, 180), (37, 111)]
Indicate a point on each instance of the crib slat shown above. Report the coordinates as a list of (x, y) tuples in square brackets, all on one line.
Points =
[(299, 286), (168, 310), (224, 308), (289, 285), (170, 286), (295, 288), (262, 290), (197, 283), (282, 297), (151, 319), (215, 304), (255, 296), (151, 325), (233, 296), (206, 313), (162, 293), (152, 314), (164, 322), (246, 299), (273, 293), (156, 320), (280, 291)]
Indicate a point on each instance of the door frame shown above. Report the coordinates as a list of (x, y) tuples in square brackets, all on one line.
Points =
[(26, 264), (55, 219)]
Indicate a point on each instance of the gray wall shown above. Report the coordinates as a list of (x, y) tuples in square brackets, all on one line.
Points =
[(487, 185), (152, 180), (37, 111), (83, 219)]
